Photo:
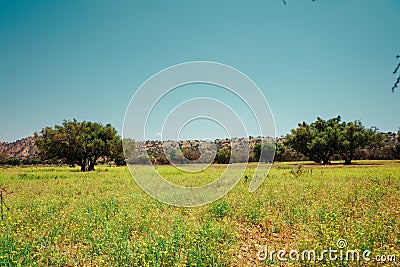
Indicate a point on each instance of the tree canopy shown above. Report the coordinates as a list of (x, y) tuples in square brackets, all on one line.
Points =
[(322, 139), (317, 140), (223, 156), (354, 136), (79, 143)]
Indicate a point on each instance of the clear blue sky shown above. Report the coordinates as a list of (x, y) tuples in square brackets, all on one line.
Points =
[(84, 59)]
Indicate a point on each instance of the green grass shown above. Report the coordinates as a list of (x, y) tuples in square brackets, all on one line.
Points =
[(61, 217)]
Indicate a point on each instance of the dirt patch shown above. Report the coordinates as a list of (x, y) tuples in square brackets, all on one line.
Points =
[(254, 238)]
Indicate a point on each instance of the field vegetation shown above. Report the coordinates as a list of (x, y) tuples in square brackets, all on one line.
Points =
[(59, 216)]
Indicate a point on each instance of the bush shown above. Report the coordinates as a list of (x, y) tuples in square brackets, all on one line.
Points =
[(223, 156), (13, 161)]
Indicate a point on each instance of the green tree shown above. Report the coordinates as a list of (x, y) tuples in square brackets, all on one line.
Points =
[(322, 139), (280, 151), (78, 143), (318, 140), (117, 152), (13, 161), (223, 156), (354, 136)]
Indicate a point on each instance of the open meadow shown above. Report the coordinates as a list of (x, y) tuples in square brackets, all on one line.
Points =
[(59, 216)]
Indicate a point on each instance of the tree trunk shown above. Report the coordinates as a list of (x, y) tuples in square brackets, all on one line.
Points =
[(83, 167), (91, 166), (82, 163), (92, 161), (348, 157), (325, 159)]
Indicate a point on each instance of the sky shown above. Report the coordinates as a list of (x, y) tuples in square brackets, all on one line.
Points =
[(85, 59)]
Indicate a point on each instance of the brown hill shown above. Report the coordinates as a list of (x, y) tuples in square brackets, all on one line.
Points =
[(22, 149)]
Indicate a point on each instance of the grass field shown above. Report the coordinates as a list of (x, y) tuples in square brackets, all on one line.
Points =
[(61, 217)]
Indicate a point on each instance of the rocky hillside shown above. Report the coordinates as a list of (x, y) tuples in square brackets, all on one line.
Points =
[(22, 149)]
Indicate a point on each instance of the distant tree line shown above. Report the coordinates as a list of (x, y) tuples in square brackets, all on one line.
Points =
[(320, 141), (87, 144), (13, 161)]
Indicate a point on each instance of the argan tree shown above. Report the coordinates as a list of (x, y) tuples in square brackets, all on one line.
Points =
[(353, 136), (321, 139), (318, 140), (78, 143)]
